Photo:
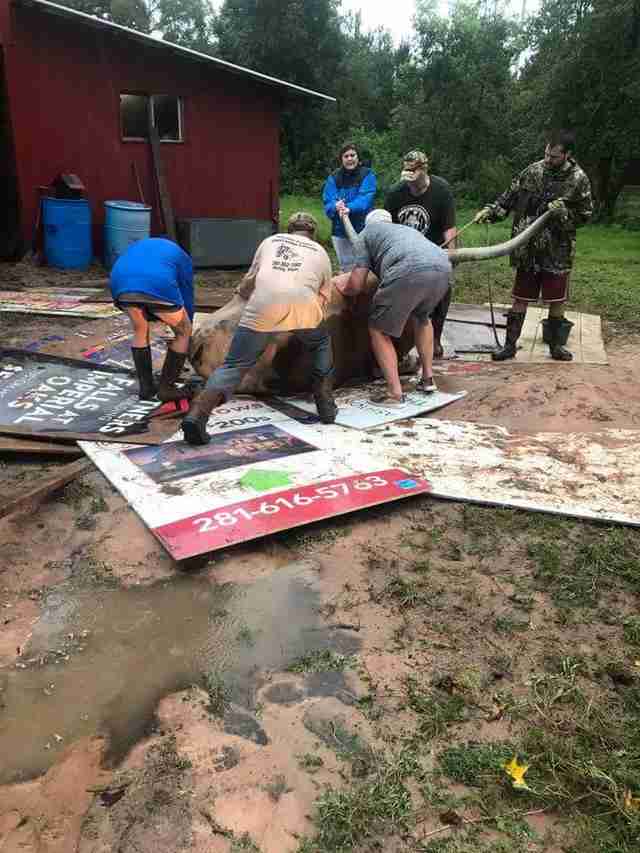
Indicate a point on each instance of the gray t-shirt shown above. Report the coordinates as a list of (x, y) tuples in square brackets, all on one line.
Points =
[(397, 251)]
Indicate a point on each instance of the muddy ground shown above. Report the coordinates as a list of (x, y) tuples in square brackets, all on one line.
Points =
[(255, 699)]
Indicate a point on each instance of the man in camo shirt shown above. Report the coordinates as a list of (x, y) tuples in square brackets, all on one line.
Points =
[(544, 263)]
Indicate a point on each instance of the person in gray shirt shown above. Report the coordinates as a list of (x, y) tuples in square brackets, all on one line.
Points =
[(414, 276)]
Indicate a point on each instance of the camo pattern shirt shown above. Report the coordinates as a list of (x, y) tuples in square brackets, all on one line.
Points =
[(553, 248)]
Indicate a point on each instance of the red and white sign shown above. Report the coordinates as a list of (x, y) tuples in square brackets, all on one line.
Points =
[(240, 522), (199, 499)]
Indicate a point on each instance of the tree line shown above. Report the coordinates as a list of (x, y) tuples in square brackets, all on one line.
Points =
[(477, 88)]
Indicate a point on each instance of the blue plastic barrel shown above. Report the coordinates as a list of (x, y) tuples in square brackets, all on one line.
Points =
[(125, 223), (67, 232)]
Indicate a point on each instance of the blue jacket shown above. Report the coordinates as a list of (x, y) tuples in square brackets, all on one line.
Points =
[(157, 267), (356, 189)]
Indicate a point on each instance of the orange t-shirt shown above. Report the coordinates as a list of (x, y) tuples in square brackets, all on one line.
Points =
[(291, 276)]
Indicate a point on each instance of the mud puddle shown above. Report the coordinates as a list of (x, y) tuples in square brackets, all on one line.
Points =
[(100, 660)]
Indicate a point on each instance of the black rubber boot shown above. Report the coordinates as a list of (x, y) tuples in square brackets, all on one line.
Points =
[(323, 396), (194, 425), (514, 328), (438, 319), (144, 369), (171, 369), (558, 352)]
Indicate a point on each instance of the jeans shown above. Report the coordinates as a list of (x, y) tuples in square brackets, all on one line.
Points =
[(345, 253), (248, 345)]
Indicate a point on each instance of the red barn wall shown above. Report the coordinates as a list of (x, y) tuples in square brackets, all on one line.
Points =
[(64, 81)]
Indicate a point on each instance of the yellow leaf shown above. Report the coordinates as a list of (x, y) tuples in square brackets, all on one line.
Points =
[(631, 803), (516, 772)]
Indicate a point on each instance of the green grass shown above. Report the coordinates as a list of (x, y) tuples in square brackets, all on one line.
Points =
[(323, 660), (605, 279), (435, 710), (219, 693), (357, 817), (472, 763), (310, 762), (291, 203), (405, 593), (578, 573), (558, 687)]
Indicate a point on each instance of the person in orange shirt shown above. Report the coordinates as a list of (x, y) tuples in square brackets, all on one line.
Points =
[(287, 288)]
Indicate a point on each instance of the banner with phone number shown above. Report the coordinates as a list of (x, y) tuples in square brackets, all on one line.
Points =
[(263, 471), (251, 519)]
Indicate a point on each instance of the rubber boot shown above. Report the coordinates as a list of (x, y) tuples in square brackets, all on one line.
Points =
[(194, 425), (558, 352), (144, 369), (323, 396), (171, 369), (514, 327)]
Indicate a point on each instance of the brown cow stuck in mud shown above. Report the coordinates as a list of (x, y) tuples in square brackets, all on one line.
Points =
[(285, 366)]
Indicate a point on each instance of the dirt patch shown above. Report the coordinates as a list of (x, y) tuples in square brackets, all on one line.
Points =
[(550, 398)]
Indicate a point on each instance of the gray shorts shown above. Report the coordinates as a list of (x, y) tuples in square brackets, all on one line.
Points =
[(410, 296)]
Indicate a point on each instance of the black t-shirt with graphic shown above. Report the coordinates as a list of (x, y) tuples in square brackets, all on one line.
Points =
[(431, 213)]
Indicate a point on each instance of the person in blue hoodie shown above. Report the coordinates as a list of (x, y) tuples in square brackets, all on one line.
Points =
[(153, 280), (350, 189)]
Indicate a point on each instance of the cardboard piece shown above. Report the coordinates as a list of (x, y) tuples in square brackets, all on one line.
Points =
[(356, 410), (195, 499)]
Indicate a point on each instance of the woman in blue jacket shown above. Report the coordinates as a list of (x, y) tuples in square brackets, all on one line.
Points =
[(153, 280), (350, 189)]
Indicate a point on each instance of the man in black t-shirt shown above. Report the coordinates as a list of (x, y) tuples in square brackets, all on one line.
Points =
[(425, 202)]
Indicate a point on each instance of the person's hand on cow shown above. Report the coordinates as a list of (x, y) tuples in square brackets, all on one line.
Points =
[(351, 283), (560, 208), (483, 216)]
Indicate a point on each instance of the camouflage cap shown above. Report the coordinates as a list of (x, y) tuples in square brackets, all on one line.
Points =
[(417, 157), (301, 221)]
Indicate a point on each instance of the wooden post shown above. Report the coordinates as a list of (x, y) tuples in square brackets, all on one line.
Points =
[(163, 192)]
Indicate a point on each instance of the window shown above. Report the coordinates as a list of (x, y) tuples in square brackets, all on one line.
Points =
[(165, 109)]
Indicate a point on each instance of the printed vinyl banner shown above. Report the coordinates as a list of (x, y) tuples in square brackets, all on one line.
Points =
[(356, 410), (70, 303), (262, 472), (48, 394)]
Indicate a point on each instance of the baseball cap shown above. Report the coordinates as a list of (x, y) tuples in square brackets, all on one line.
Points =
[(417, 157), (302, 221), (378, 215)]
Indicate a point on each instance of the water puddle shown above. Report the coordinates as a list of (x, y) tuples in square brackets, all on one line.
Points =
[(100, 660)]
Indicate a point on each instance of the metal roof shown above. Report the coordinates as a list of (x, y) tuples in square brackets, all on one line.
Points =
[(90, 20)]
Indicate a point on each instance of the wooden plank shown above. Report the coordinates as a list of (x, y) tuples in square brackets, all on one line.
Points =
[(31, 447), (163, 191), (592, 344), (66, 437), (585, 340), (32, 497)]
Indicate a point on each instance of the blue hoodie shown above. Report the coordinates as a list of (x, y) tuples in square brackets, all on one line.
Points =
[(157, 267), (357, 189)]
